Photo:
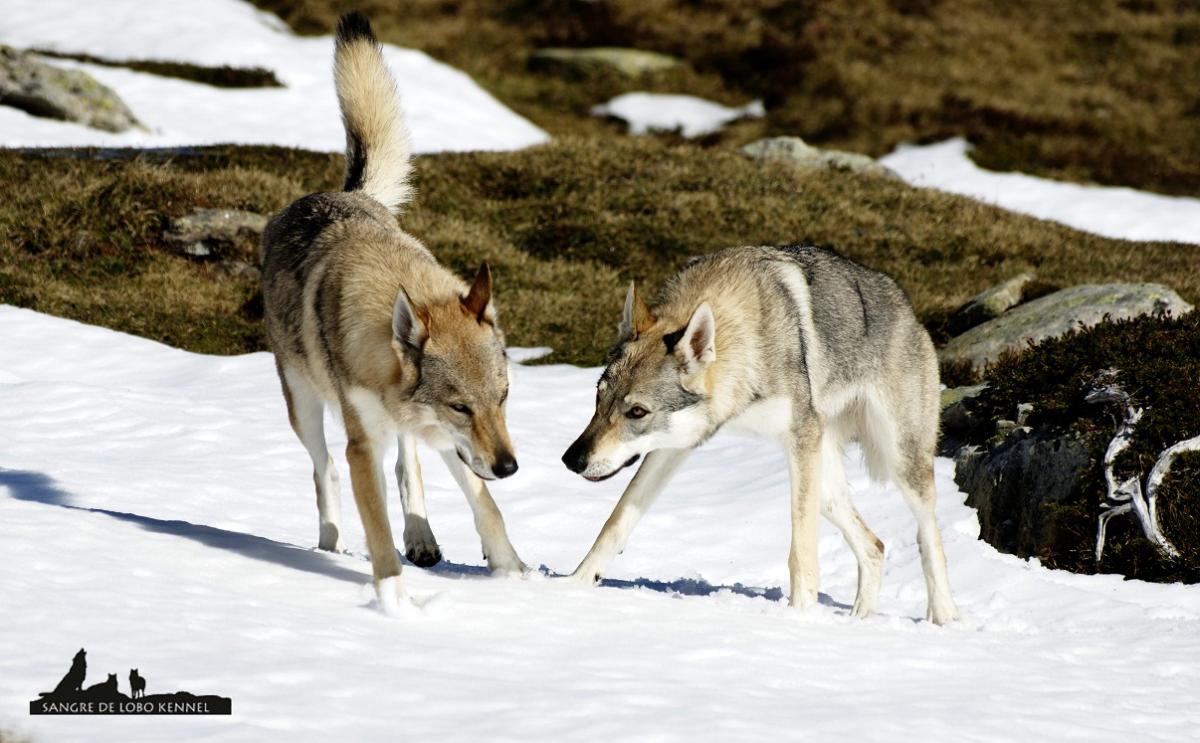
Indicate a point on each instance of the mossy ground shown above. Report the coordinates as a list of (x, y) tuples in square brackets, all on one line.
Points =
[(1158, 361), (1105, 91), (223, 76), (565, 226)]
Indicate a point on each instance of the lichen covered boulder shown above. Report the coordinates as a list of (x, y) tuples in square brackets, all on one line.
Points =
[(53, 92), (583, 62), (796, 151), (1055, 314), (216, 233)]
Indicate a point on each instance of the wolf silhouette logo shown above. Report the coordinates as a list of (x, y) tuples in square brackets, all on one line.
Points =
[(71, 697), (73, 681)]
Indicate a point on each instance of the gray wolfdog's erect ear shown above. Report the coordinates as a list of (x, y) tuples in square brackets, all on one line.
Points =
[(699, 343), (407, 327), (636, 318), (477, 300)]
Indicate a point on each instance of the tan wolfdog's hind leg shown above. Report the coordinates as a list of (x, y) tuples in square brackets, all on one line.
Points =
[(306, 411), (641, 493), (366, 478), (804, 466), (420, 546), (497, 550)]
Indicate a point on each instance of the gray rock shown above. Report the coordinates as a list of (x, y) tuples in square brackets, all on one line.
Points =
[(952, 396), (1018, 484), (52, 92), (956, 417), (957, 420), (239, 270), (214, 233), (803, 155), (624, 62), (990, 303), (1055, 314)]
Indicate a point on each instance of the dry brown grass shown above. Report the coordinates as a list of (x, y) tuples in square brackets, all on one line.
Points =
[(1106, 91), (565, 226)]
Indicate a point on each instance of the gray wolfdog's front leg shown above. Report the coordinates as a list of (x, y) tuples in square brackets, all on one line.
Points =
[(635, 501), (366, 478), (804, 466), (497, 549)]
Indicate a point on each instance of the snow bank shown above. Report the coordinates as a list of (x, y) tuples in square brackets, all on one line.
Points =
[(158, 511), (647, 112), (1122, 213), (447, 111)]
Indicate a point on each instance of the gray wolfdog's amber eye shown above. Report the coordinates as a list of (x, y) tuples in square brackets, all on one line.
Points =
[(637, 411)]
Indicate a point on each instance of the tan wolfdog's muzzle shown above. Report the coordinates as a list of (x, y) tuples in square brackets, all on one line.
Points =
[(492, 447)]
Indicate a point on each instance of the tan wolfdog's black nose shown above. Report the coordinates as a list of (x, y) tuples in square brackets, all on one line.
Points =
[(506, 465)]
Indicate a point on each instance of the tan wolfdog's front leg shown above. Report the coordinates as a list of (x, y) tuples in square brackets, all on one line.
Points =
[(497, 550), (420, 546), (641, 493), (366, 478), (804, 466)]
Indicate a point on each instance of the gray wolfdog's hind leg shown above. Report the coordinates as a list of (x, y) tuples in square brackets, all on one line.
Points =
[(366, 478), (497, 550), (420, 547), (838, 508), (804, 466), (306, 411), (916, 482), (635, 501)]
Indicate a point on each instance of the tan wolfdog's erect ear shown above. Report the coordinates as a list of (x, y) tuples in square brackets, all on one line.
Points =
[(477, 300), (699, 343), (636, 318), (407, 326)]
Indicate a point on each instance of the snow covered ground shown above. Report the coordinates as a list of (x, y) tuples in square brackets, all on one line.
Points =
[(157, 511), (446, 110), (665, 112), (1123, 213)]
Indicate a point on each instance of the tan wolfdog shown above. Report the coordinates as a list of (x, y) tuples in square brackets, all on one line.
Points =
[(361, 316)]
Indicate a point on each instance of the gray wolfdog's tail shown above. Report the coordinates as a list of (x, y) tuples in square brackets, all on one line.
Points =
[(377, 143)]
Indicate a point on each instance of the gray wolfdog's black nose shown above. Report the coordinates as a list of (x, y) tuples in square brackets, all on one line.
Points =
[(576, 457), (505, 465)]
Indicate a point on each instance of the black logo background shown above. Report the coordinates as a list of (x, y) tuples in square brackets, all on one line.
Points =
[(72, 697)]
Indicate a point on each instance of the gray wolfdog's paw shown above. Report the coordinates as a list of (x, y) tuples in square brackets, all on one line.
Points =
[(508, 568), (583, 577)]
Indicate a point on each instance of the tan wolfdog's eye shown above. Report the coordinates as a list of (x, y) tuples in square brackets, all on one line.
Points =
[(637, 411), (459, 408)]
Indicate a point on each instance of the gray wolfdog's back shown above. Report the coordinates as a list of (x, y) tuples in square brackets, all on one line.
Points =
[(857, 316)]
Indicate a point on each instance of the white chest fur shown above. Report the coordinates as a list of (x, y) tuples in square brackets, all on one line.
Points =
[(771, 416)]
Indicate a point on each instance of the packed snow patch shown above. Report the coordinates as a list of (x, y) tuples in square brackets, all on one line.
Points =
[(1122, 213), (446, 110), (692, 116), (158, 511)]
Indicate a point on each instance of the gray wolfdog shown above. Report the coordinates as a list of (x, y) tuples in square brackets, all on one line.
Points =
[(795, 343), (361, 316)]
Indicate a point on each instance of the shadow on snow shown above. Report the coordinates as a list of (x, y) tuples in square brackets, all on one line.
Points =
[(37, 487)]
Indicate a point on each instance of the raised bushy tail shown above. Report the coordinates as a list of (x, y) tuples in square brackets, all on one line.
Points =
[(377, 142)]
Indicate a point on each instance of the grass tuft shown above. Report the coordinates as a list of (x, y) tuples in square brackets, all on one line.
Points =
[(1089, 91), (223, 76), (565, 226)]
